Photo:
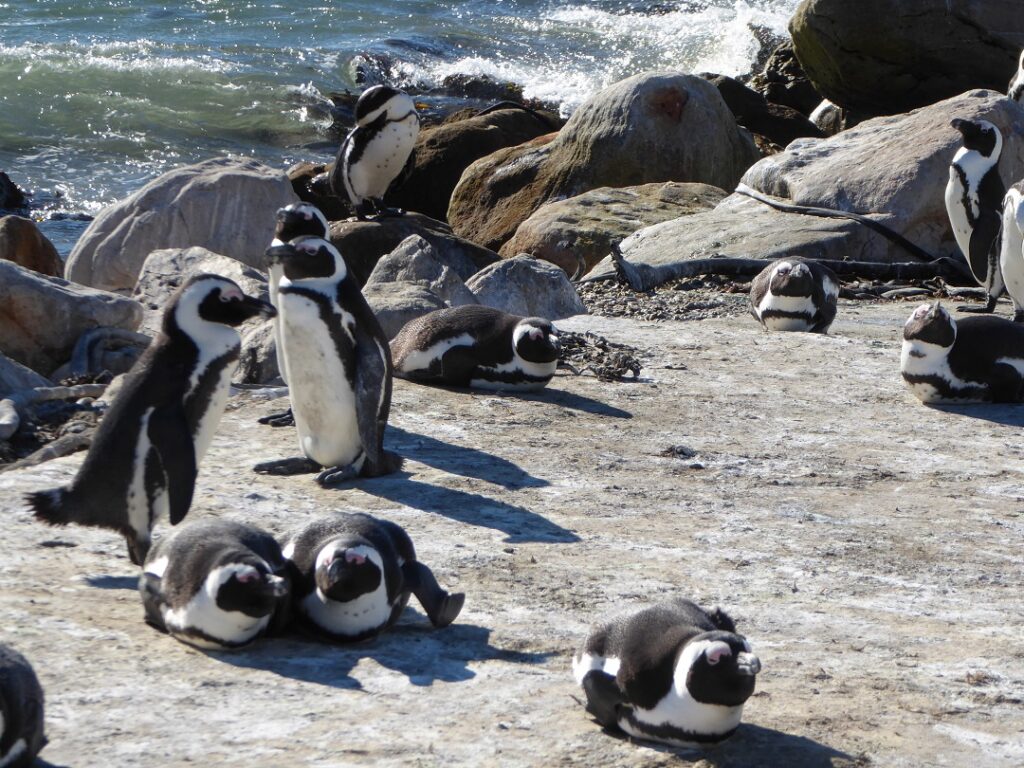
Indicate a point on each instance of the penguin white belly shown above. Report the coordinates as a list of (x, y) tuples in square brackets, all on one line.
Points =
[(788, 304), (1011, 254), (932, 360), (680, 710), (955, 197), (587, 662), (383, 158), (364, 614), (517, 365), (214, 411), (323, 402), (142, 510), (274, 275)]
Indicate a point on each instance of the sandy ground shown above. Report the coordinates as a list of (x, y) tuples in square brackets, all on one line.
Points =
[(869, 547)]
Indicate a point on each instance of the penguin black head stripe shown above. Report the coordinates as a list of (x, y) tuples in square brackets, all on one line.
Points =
[(792, 279), (723, 672), (308, 257), (931, 324), (373, 100), (979, 135), (536, 340), (795, 295), (299, 219)]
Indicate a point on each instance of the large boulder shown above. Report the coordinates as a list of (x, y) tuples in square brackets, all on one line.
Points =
[(224, 205), (11, 197), (883, 57), (395, 304), (23, 243), (777, 123), (416, 260), (363, 243), (42, 317), (311, 182), (577, 233), (659, 126), (783, 81), (528, 287), (15, 377), (893, 169)]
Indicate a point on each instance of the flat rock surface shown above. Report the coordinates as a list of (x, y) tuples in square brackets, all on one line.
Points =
[(869, 547)]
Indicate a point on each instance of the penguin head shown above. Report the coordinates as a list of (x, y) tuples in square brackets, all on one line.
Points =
[(717, 668), (245, 583), (791, 278), (212, 299), (299, 219), (980, 136), (348, 568), (307, 258), (536, 340), (375, 101), (931, 324)]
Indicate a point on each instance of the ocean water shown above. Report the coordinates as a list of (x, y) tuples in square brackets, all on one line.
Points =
[(97, 98)]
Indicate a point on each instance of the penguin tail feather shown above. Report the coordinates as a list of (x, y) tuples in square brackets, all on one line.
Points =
[(51, 506)]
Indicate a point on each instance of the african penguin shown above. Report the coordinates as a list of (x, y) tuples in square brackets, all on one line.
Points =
[(21, 711), (353, 575), (477, 346), (795, 295), (1015, 90), (215, 584), (378, 152), (146, 452), (672, 672), (1011, 248), (338, 363), (293, 221), (973, 360), (974, 196)]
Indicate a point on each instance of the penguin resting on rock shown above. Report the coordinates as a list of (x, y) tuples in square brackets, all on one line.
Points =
[(21, 711), (477, 346), (293, 221), (973, 360), (378, 152), (146, 451), (795, 295), (338, 365), (1011, 248), (215, 584), (353, 575), (974, 198), (673, 673)]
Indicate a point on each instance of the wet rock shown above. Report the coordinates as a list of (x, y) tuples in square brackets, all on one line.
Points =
[(889, 56), (415, 260), (23, 243), (660, 126), (395, 304), (224, 205), (527, 287), (42, 317), (11, 197), (310, 181), (15, 377), (483, 87), (777, 123), (783, 81), (577, 233)]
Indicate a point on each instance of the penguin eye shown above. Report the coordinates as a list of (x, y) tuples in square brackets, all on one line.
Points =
[(230, 294), (248, 577)]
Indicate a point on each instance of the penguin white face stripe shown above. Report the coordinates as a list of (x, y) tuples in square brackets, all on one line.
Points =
[(586, 662), (138, 498), (202, 612), (213, 339), (364, 614)]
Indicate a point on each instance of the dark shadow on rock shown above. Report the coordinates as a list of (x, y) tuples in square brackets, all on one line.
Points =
[(1003, 413), (576, 402), (518, 522), (460, 460), (113, 582), (414, 648)]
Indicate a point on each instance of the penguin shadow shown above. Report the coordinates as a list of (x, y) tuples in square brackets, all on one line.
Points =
[(575, 402), (459, 460), (104, 581), (1011, 415), (41, 763), (413, 648)]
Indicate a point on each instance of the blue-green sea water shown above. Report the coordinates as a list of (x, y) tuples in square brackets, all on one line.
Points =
[(97, 98)]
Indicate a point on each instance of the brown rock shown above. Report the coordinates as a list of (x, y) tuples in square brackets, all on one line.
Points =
[(310, 183), (11, 198), (784, 81), (23, 243)]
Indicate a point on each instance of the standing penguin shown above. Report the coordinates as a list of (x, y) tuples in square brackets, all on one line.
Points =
[(1015, 90), (353, 575), (21, 711), (146, 452), (338, 364), (215, 584), (293, 221), (974, 197), (673, 673), (974, 360), (477, 346), (1011, 248), (795, 295), (378, 151)]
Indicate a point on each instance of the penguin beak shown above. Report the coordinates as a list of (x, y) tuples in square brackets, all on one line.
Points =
[(747, 664), (278, 586), (137, 549), (278, 253), (251, 306)]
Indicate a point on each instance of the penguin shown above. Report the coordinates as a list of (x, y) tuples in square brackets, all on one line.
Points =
[(1011, 248), (974, 195), (477, 346), (293, 221), (21, 711), (973, 360), (338, 363), (1015, 90), (672, 672), (215, 584), (353, 574), (147, 449), (795, 295), (378, 152)]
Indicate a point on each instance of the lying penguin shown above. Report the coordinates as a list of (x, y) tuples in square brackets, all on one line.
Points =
[(972, 360), (353, 575), (795, 295), (477, 346), (146, 452), (673, 673), (215, 584), (21, 711)]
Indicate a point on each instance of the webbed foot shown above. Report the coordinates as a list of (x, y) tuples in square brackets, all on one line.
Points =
[(283, 419), (297, 465)]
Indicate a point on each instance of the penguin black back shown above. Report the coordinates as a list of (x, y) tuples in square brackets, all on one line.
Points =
[(21, 710)]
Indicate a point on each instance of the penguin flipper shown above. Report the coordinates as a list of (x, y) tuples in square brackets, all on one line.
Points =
[(373, 398), (442, 607), (457, 366), (150, 587), (336, 179), (403, 176), (170, 436), (984, 240), (1006, 384), (604, 697)]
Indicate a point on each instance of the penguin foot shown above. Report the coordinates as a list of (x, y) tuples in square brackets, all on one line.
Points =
[(603, 697), (337, 475), (283, 419), (448, 610), (298, 465), (980, 309), (387, 464), (442, 608)]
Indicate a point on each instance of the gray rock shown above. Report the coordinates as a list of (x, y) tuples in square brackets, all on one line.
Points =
[(42, 317), (395, 304), (526, 286), (225, 205), (414, 260), (257, 363), (15, 377)]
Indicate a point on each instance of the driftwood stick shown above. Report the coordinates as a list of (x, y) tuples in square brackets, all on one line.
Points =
[(10, 407)]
